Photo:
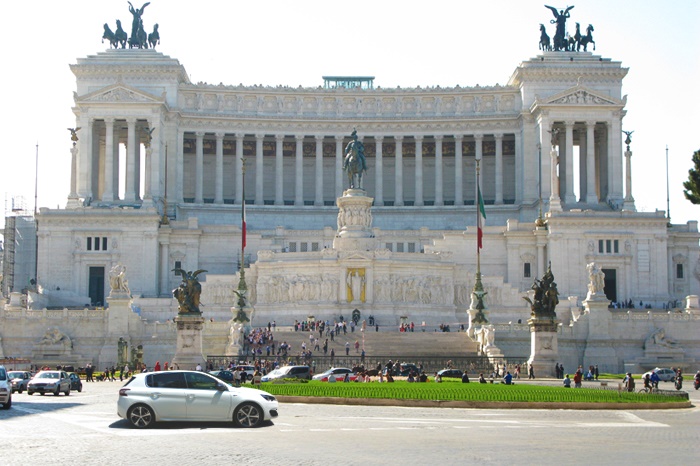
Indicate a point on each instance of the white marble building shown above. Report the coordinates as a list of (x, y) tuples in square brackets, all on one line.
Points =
[(157, 184)]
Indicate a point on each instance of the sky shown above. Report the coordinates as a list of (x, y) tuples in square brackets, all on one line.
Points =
[(402, 43)]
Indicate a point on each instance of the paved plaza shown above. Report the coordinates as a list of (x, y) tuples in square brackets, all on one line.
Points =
[(84, 427)]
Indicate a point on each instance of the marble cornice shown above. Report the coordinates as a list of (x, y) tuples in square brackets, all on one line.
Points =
[(340, 127)]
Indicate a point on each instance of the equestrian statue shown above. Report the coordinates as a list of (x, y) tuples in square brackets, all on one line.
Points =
[(354, 162)]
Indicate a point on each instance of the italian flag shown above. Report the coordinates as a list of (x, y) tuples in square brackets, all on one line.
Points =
[(480, 220)]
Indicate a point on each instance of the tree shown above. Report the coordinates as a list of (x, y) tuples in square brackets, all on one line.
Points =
[(692, 186)]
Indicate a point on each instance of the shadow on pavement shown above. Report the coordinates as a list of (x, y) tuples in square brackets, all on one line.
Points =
[(123, 424), (27, 408)]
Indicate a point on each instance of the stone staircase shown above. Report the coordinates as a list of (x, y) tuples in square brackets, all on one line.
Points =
[(412, 345)]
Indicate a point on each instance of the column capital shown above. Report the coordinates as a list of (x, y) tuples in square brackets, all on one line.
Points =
[(199, 134), (438, 137), (478, 137), (130, 120), (569, 123), (458, 137), (239, 136), (299, 138), (398, 138), (279, 137), (259, 136), (109, 120), (418, 137), (219, 135), (379, 138), (318, 137), (498, 136), (589, 123)]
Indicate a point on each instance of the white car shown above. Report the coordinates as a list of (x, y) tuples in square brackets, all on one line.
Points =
[(338, 374), (5, 389), (191, 396), (49, 382), (665, 375)]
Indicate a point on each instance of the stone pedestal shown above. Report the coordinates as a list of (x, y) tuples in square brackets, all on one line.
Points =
[(354, 221), (117, 326), (544, 348), (188, 352), (599, 350)]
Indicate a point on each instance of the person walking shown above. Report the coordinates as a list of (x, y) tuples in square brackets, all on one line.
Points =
[(531, 372), (347, 348)]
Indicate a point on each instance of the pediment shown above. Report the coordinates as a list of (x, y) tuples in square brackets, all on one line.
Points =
[(581, 95), (119, 93), (356, 255)]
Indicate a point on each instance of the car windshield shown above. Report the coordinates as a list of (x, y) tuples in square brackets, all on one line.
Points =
[(15, 375), (47, 375), (277, 372)]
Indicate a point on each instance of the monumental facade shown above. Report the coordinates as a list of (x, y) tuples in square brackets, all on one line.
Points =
[(156, 185)]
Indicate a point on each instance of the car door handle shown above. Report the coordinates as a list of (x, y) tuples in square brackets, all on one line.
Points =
[(190, 396), (155, 395)]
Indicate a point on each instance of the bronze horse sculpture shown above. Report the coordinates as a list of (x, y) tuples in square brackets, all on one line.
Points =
[(587, 39), (545, 43), (354, 162)]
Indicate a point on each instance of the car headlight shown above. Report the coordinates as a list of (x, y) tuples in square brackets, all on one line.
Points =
[(268, 397), (3, 389)]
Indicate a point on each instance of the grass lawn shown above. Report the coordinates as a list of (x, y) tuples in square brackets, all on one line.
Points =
[(457, 391)]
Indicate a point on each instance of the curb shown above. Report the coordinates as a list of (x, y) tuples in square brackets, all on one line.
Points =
[(478, 404)]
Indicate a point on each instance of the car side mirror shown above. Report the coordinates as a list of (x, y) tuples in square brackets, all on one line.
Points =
[(221, 387)]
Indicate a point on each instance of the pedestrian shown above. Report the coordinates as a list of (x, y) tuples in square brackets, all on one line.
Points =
[(347, 348), (332, 355), (113, 373), (357, 346), (595, 371), (531, 372), (578, 376), (362, 356), (165, 366), (567, 381), (556, 370), (156, 368)]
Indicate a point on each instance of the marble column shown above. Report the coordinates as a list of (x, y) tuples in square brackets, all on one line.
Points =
[(148, 167), (582, 150), (91, 189), (259, 200), (398, 172), (219, 170), (499, 168), (419, 170), (130, 191), (519, 168), (629, 200), (180, 167), (238, 176), (73, 200), (569, 196), (379, 171), (439, 198), (591, 196), (545, 166), (318, 199), (199, 169), (299, 171), (554, 200), (279, 169), (108, 191), (459, 170), (479, 155), (338, 166)]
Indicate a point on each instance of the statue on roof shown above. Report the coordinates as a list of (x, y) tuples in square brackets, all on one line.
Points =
[(136, 23), (560, 17)]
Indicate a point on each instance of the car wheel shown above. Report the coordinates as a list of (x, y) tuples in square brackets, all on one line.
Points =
[(80, 388), (8, 404), (67, 392), (248, 415), (58, 390), (140, 416)]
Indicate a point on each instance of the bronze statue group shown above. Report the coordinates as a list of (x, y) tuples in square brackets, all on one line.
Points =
[(562, 40), (138, 39)]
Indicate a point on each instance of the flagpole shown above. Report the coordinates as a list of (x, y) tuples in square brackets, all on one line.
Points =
[(242, 287), (478, 291)]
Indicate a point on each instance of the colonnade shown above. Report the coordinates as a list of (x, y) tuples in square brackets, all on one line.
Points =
[(323, 176)]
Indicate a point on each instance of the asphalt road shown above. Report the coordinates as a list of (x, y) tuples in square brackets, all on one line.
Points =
[(85, 429)]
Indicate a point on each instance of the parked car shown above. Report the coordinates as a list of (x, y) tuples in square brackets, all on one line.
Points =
[(454, 373), (75, 382), (191, 396), (226, 376), (336, 372), (404, 369), (289, 372), (19, 380), (5, 389), (49, 382), (665, 375)]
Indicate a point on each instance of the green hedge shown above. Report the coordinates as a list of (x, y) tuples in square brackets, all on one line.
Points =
[(449, 391)]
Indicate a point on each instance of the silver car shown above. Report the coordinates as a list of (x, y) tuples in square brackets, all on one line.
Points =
[(191, 396), (5, 389), (20, 380), (49, 382)]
